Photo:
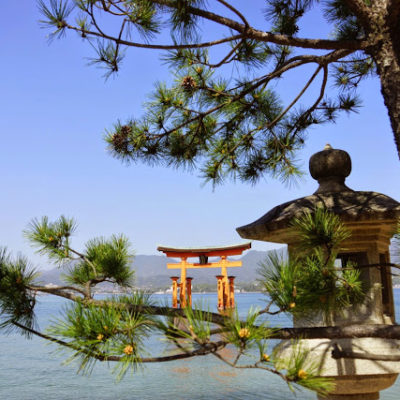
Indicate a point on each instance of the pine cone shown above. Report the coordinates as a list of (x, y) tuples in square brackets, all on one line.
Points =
[(188, 83), (120, 142), (126, 129)]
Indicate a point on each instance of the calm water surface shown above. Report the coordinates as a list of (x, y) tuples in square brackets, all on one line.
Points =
[(33, 370)]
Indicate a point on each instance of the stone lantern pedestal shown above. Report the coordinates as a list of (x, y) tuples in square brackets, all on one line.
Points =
[(371, 218), (355, 379)]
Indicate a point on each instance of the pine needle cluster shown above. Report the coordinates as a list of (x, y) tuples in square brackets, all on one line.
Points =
[(17, 302), (98, 333), (102, 260), (310, 280)]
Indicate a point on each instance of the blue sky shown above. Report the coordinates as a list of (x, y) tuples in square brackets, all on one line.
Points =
[(54, 110)]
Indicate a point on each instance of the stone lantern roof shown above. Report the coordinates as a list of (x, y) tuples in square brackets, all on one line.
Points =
[(329, 167)]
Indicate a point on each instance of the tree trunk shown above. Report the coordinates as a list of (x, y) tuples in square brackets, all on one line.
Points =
[(387, 58)]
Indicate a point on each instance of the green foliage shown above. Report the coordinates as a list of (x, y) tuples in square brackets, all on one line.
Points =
[(183, 22), (199, 321), (193, 330), (107, 57), (350, 73), (102, 260), (180, 129), (135, 298), (252, 53), (55, 15), (279, 278), (310, 281), (285, 15), (346, 24), (246, 334), (299, 368), (17, 302), (105, 259), (320, 229), (249, 335), (94, 332), (51, 238), (143, 17)]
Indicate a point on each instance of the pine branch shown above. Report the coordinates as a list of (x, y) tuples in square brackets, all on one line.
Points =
[(83, 257), (208, 348), (244, 30), (226, 60), (340, 332), (120, 41), (61, 291), (328, 332), (295, 100), (235, 10), (283, 40), (256, 365)]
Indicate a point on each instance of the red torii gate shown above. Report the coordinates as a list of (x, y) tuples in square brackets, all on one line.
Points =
[(226, 289)]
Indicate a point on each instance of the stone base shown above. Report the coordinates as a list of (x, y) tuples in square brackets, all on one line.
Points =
[(361, 387), (353, 378), (364, 396)]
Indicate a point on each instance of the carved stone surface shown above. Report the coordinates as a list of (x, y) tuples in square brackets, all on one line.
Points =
[(330, 167)]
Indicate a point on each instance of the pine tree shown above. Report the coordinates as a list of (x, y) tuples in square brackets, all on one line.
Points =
[(237, 127)]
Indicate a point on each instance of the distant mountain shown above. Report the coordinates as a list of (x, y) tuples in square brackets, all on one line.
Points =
[(51, 276), (151, 271)]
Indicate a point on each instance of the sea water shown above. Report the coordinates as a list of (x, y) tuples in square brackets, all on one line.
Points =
[(32, 369)]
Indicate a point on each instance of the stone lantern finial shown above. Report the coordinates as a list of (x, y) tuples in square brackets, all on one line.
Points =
[(330, 167)]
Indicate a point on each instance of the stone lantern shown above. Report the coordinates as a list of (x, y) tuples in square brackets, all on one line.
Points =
[(371, 218)]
